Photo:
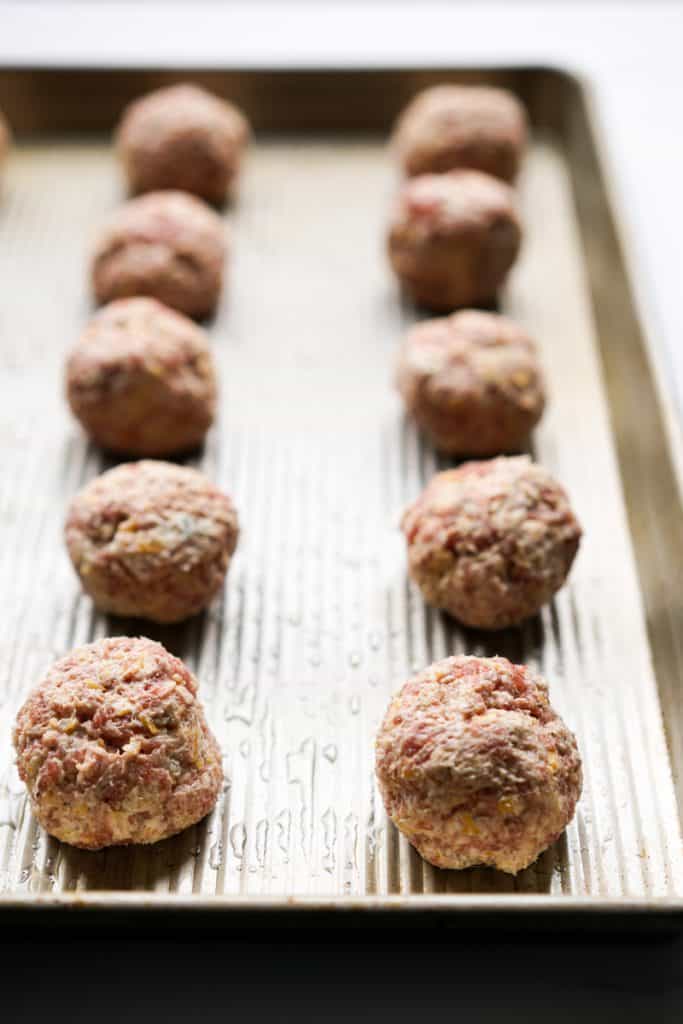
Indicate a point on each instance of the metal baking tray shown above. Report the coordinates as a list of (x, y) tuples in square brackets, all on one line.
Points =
[(318, 623)]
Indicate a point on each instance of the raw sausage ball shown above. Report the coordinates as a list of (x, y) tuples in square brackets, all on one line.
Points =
[(152, 540), (5, 139), (167, 245), (141, 379), (114, 748), (453, 126), (472, 381), (475, 766), (182, 137), (453, 238), (491, 542)]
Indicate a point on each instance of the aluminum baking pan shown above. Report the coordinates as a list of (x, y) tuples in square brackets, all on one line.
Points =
[(318, 624)]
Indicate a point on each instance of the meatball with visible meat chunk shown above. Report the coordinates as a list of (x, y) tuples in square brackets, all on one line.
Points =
[(454, 126), (491, 542), (152, 540), (453, 238), (475, 766), (114, 747), (182, 137), (166, 245), (472, 381), (141, 379)]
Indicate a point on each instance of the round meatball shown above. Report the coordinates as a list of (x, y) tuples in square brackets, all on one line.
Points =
[(151, 540), (167, 245), (114, 748), (472, 382), (475, 766), (182, 137), (453, 238), (453, 126), (141, 379), (5, 139), (491, 542)]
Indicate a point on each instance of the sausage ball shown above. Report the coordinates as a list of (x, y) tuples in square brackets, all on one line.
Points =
[(141, 379), (475, 766), (452, 126), (5, 139), (167, 245), (114, 748), (182, 137), (151, 540), (453, 238), (491, 542), (472, 382)]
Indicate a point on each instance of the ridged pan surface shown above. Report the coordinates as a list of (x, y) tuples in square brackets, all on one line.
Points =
[(318, 624)]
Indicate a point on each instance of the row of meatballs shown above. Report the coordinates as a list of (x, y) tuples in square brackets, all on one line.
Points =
[(473, 764), (142, 382), (142, 379), (113, 745), (489, 542)]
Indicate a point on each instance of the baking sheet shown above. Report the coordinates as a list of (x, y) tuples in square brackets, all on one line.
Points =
[(318, 624)]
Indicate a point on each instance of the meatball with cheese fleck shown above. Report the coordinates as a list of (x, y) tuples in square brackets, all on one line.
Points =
[(475, 766), (453, 238), (151, 540), (182, 137), (491, 542), (168, 245), (114, 748), (453, 126), (472, 382), (141, 379)]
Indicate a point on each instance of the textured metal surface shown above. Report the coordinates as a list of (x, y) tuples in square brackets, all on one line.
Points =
[(318, 624)]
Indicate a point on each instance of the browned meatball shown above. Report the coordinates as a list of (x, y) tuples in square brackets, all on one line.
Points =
[(152, 540), (167, 245), (491, 542), (141, 379), (472, 382), (475, 766), (114, 748), (453, 238), (453, 126), (182, 137)]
